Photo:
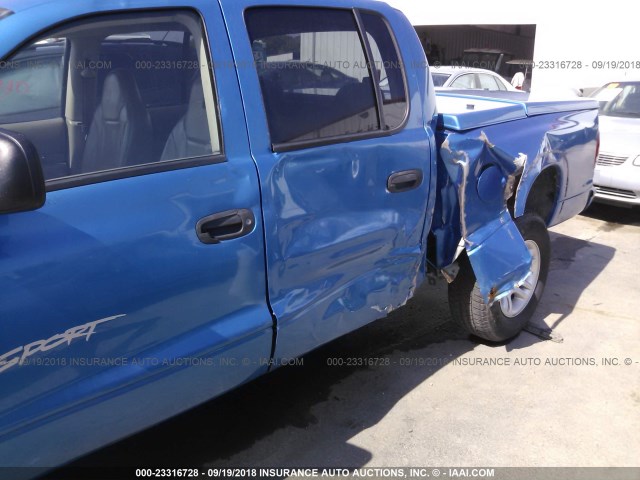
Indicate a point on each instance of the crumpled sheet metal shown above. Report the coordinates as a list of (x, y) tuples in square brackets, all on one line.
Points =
[(483, 176)]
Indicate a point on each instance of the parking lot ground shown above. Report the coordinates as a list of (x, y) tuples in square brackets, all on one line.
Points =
[(433, 399)]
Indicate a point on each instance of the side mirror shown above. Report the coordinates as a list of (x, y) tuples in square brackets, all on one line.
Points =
[(21, 178)]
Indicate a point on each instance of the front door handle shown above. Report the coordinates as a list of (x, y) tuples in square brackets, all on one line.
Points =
[(227, 225), (405, 180)]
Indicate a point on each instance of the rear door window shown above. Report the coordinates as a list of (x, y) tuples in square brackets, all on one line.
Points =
[(313, 71)]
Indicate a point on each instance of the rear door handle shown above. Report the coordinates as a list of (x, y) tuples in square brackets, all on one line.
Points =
[(226, 225), (404, 181)]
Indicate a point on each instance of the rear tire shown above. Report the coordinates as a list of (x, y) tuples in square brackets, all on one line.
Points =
[(507, 317)]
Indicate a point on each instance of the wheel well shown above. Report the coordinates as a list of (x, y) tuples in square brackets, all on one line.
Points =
[(543, 195)]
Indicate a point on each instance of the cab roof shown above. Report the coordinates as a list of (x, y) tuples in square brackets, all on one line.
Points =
[(25, 18), (20, 5)]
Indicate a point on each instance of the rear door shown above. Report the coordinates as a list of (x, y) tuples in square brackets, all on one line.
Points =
[(344, 163), (138, 290)]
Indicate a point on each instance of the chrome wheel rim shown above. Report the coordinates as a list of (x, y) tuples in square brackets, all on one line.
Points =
[(515, 302)]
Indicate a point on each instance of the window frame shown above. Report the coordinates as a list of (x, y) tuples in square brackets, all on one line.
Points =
[(405, 83), (91, 178), (282, 147)]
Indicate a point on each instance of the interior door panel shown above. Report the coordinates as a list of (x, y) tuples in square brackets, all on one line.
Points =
[(50, 139)]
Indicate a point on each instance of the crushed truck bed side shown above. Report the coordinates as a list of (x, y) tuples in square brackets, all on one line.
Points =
[(492, 150)]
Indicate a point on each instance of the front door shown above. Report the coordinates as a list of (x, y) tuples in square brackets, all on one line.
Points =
[(138, 290)]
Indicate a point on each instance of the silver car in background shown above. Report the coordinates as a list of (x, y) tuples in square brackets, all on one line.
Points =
[(469, 78), (617, 173)]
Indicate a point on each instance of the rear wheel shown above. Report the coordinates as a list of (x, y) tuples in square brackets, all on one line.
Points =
[(508, 316)]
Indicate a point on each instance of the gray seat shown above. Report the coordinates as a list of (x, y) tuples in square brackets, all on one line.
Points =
[(190, 137), (120, 132)]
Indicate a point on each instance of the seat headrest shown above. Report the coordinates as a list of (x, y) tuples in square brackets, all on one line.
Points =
[(119, 90)]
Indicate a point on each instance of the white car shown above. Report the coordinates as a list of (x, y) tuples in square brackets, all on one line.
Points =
[(469, 78), (617, 174)]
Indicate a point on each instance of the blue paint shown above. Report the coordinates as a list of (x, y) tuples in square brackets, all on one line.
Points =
[(563, 141), (129, 247), (502, 110), (491, 185), (499, 257), (331, 249)]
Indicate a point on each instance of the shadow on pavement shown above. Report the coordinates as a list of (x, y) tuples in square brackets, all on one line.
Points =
[(614, 216), (575, 264)]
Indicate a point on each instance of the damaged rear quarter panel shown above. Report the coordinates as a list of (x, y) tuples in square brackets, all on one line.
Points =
[(477, 172), (569, 146)]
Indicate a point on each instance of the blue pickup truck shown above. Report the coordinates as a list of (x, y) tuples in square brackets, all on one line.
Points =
[(193, 192)]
